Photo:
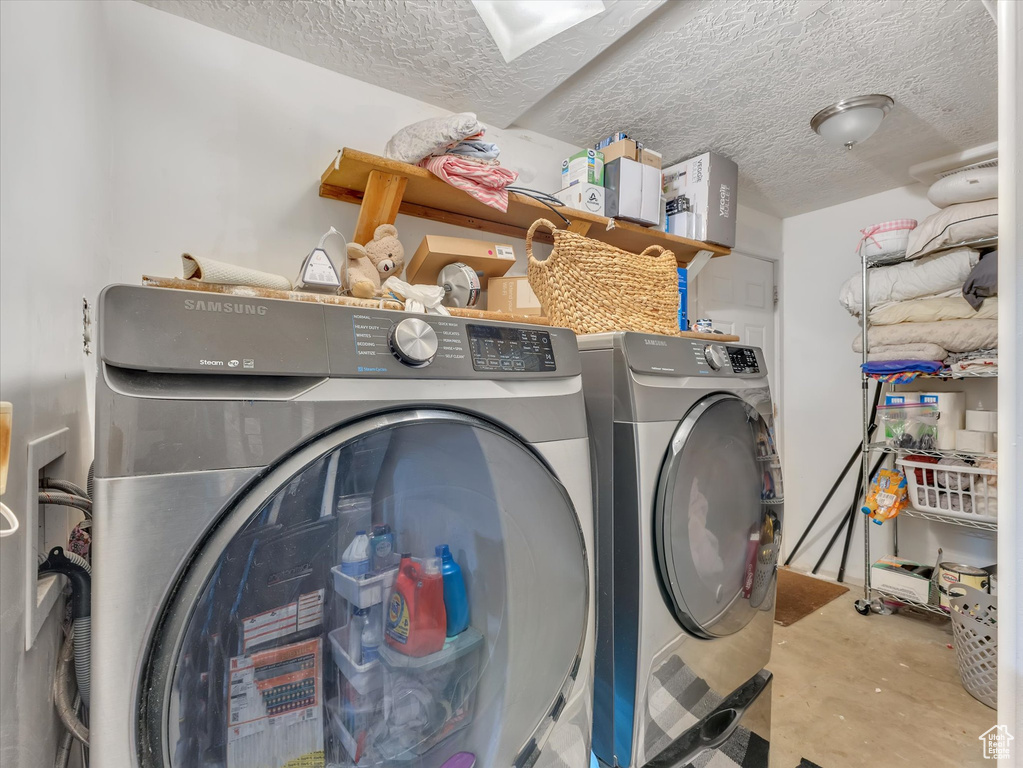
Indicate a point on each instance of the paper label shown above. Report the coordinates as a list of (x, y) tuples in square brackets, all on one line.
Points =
[(398, 618), (275, 704), (505, 252), (304, 613)]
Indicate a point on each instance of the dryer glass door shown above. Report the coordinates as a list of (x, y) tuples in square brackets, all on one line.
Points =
[(281, 645), (715, 536)]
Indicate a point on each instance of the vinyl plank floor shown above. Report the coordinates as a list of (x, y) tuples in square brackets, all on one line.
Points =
[(875, 691)]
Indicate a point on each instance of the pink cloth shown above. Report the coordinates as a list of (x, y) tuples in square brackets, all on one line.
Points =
[(484, 182)]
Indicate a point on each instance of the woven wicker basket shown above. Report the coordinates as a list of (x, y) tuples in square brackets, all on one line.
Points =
[(592, 287)]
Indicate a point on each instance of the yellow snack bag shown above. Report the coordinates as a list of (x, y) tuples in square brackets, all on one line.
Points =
[(888, 495)]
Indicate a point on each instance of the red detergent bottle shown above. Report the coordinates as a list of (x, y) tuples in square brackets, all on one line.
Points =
[(416, 620)]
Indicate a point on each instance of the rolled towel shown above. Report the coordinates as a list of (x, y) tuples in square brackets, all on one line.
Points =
[(204, 270)]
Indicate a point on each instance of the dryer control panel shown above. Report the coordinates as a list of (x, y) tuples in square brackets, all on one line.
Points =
[(667, 356)]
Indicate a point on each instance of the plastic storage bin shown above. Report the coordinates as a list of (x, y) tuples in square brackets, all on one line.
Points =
[(364, 678), (427, 699), (364, 591), (882, 242), (975, 629), (954, 490)]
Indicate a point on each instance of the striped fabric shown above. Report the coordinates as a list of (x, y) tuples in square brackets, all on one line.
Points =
[(485, 182)]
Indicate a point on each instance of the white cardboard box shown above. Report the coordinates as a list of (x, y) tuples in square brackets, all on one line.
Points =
[(632, 191), (902, 578), (583, 197), (585, 167)]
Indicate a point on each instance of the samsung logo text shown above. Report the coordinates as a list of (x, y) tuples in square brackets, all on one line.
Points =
[(227, 307)]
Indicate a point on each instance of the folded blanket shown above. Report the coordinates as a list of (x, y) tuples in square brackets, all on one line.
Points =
[(431, 136), (484, 182), (928, 310), (886, 352), (969, 367), (901, 366), (983, 280), (953, 335), (910, 280), (960, 357)]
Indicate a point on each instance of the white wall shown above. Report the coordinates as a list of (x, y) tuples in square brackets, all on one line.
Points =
[(54, 232), (821, 408), (219, 146)]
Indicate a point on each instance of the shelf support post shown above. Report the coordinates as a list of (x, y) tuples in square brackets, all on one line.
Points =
[(380, 203), (699, 262)]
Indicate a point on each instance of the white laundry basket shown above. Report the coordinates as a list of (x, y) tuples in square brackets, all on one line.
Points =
[(965, 492), (975, 629)]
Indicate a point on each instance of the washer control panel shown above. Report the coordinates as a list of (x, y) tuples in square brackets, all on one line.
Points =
[(744, 359), (499, 348), (371, 342)]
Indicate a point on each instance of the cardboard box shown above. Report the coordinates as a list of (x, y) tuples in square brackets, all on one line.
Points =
[(583, 197), (683, 299), (585, 167), (624, 148), (649, 157), (709, 181), (902, 578), (488, 258), (609, 140), (512, 294), (632, 191)]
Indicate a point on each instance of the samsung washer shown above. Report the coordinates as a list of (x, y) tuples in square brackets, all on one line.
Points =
[(241, 443), (689, 512)]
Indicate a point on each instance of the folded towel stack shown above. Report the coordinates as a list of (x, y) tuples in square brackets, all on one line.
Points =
[(452, 148)]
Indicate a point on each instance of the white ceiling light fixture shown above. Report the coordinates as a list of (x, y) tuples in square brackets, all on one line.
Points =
[(518, 25), (848, 122)]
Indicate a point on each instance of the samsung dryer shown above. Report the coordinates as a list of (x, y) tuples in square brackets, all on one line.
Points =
[(689, 517), (243, 444)]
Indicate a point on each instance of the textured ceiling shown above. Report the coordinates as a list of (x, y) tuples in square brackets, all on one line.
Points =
[(742, 77)]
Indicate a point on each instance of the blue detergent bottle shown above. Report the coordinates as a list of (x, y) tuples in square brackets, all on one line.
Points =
[(456, 601)]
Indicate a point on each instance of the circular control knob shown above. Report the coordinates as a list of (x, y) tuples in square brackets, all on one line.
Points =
[(716, 356), (413, 341)]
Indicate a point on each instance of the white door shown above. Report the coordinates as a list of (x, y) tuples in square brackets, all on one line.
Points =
[(737, 293)]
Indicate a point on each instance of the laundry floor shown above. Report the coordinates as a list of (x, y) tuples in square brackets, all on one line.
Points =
[(853, 690)]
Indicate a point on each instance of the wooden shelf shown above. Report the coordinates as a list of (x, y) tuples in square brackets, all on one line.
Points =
[(384, 188)]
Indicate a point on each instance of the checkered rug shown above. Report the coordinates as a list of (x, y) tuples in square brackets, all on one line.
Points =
[(677, 697)]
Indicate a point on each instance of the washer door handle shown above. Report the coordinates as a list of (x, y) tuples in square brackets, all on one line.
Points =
[(714, 729)]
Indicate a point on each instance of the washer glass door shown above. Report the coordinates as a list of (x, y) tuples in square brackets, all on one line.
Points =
[(292, 639), (715, 536)]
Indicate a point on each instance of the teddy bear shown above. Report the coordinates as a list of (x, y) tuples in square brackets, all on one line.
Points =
[(370, 264)]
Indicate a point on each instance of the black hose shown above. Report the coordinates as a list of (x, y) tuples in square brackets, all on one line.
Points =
[(90, 480), (81, 613)]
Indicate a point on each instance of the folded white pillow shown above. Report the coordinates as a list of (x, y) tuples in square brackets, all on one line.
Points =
[(431, 136), (958, 223), (964, 187), (910, 279)]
